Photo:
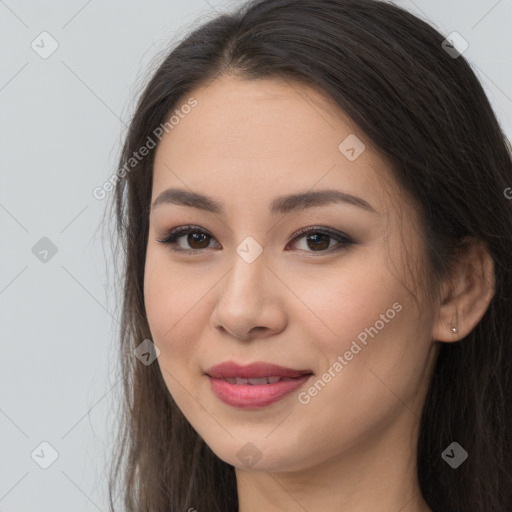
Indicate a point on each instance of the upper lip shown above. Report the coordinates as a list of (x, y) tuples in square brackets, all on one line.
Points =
[(230, 369)]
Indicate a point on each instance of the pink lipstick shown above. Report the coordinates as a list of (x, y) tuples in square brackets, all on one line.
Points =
[(255, 385)]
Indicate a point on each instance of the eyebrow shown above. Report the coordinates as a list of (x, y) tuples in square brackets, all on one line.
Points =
[(280, 204)]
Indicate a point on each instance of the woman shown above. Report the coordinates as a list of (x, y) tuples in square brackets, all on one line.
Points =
[(318, 249)]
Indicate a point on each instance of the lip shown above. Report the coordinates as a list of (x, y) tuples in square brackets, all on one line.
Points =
[(249, 396), (253, 371)]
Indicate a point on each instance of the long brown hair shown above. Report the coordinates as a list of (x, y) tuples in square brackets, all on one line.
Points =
[(427, 113)]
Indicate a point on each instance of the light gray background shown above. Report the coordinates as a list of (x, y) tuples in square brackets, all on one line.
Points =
[(62, 119)]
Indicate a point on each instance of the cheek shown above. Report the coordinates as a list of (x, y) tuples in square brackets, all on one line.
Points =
[(364, 325), (343, 302), (172, 300), (371, 366), (169, 293)]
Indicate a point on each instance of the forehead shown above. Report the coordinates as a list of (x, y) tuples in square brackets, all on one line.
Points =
[(259, 137)]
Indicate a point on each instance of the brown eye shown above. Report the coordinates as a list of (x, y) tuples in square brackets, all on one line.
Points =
[(197, 240), (194, 239), (319, 240)]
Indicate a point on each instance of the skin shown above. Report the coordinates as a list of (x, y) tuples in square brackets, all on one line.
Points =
[(353, 445)]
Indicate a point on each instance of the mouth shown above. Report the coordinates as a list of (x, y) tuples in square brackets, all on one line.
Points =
[(255, 385), (254, 371)]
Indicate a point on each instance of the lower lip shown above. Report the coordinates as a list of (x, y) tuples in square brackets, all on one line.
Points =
[(248, 396)]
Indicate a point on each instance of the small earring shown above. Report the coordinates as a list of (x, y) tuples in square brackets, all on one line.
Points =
[(454, 329)]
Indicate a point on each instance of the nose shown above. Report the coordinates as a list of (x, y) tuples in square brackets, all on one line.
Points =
[(249, 302)]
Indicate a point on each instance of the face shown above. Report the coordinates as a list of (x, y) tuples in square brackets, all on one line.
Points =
[(322, 285)]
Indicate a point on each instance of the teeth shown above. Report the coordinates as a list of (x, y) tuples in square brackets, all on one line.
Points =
[(254, 382), (258, 382)]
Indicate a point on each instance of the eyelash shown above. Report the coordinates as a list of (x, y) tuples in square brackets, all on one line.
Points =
[(176, 233)]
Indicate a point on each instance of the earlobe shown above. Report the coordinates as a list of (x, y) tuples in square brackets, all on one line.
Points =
[(466, 295)]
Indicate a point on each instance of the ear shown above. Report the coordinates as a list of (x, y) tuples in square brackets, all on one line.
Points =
[(466, 294)]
